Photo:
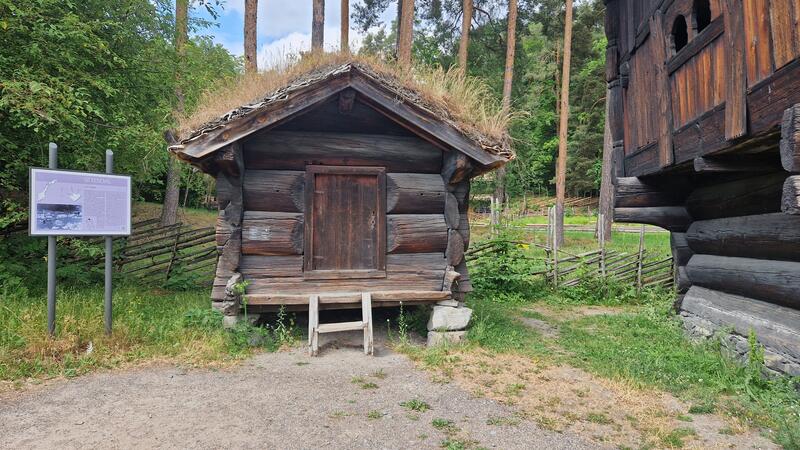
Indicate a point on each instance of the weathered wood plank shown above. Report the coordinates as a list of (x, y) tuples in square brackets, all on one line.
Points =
[(774, 281), (415, 193), (416, 233), (431, 281), (632, 192), (272, 233), (673, 218), (291, 267), (274, 190), (348, 297), (790, 139), (257, 266), (659, 55), (736, 88), (286, 150), (768, 236), (736, 164), (758, 195), (362, 119), (775, 326), (783, 28), (790, 204)]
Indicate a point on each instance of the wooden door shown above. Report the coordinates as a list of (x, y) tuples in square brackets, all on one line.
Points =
[(345, 226)]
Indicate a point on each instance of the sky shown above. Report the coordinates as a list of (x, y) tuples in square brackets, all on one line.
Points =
[(284, 28)]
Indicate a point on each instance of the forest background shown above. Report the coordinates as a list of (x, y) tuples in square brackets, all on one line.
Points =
[(101, 74)]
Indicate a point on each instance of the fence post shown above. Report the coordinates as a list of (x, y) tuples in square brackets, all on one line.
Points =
[(639, 261), (601, 233), (174, 252)]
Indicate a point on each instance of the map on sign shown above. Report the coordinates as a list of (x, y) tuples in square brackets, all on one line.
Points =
[(73, 203)]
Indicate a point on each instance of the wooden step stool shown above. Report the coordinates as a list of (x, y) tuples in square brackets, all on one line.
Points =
[(315, 328)]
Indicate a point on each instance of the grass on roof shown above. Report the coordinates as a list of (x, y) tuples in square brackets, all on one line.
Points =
[(466, 101)]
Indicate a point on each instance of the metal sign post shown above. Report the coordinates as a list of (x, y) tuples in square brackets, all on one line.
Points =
[(51, 260), (77, 203), (109, 256)]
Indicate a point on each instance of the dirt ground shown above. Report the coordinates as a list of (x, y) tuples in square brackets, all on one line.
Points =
[(341, 399)]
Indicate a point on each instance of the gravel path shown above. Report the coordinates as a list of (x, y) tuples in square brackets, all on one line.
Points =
[(281, 400)]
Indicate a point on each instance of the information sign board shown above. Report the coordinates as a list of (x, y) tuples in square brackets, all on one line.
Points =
[(72, 203)]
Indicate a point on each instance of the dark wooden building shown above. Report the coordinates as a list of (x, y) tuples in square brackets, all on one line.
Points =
[(705, 122), (340, 182)]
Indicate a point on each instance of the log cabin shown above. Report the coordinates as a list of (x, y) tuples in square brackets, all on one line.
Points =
[(343, 180), (704, 115)]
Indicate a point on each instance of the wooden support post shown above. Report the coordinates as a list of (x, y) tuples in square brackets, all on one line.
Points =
[(366, 313), (313, 325)]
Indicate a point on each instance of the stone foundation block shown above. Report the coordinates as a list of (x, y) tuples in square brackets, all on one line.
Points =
[(446, 318), (436, 338)]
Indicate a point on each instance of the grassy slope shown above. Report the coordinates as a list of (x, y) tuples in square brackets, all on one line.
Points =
[(645, 346)]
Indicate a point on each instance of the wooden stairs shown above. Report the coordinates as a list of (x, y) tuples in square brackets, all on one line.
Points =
[(315, 328)]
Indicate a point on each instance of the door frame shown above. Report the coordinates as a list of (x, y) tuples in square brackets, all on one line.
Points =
[(380, 224)]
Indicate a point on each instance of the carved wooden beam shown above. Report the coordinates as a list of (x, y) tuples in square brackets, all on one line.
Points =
[(456, 167), (790, 203), (790, 139), (735, 163)]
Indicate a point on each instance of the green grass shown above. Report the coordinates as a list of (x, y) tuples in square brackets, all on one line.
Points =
[(148, 325), (416, 405), (649, 349)]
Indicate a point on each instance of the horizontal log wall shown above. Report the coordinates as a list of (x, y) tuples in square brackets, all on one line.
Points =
[(285, 150), (420, 211), (767, 236), (773, 281)]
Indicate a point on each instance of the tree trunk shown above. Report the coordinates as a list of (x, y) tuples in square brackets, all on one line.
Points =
[(405, 33), (345, 36), (606, 207), (508, 78), (169, 211), (511, 45), (250, 28), (463, 46), (561, 167), (318, 25)]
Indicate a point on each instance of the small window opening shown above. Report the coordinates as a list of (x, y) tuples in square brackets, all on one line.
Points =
[(680, 34), (702, 14)]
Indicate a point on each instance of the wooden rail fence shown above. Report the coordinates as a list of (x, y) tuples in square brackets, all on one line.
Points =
[(155, 255)]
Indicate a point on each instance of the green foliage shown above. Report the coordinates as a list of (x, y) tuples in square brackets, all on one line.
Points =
[(416, 405), (93, 75), (507, 269), (202, 318)]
